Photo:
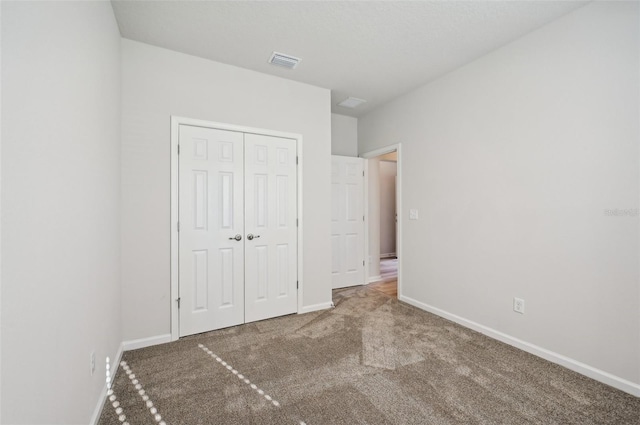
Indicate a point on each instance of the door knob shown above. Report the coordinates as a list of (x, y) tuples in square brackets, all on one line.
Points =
[(236, 237), (251, 236)]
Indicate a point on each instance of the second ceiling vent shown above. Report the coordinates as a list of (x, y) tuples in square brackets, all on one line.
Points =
[(285, 61)]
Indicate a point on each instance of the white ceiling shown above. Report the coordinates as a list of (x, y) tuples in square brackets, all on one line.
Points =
[(374, 50)]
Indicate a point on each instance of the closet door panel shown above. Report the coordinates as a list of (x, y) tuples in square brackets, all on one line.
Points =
[(211, 260), (270, 226)]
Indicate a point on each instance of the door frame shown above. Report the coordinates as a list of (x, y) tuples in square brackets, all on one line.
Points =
[(175, 172), (372, 154)]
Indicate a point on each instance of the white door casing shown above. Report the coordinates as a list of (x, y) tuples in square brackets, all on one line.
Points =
[(270, 226), (211, 259), (399, 211), (347, 221)]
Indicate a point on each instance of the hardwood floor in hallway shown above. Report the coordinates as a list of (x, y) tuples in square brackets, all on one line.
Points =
[(389, 269), (389, 272)]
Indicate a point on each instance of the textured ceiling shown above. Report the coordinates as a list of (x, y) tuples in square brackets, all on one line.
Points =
[(374, 50)]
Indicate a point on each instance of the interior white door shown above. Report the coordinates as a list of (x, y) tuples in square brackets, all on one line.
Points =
[(211, 236), (347, 221), (270, 226)]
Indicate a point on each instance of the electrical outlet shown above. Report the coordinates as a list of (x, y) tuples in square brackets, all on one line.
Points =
[(518, 305), (92, 363)]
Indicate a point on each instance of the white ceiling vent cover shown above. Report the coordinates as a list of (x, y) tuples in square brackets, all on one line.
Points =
[(286, 61), (351, 102)]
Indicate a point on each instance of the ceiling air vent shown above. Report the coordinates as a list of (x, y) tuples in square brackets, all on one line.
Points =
[(351, 102), (283, 60)]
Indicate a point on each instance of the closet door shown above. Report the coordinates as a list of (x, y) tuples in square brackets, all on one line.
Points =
[(211, 237), (270, 226)]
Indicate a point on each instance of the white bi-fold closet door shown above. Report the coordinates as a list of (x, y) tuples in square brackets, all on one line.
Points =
[(238, 228)]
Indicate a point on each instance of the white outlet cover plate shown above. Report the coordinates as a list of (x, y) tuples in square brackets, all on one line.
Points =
[(413, 214), (518, 305)]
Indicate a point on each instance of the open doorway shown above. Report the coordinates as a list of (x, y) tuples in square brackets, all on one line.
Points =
[(384, 219)]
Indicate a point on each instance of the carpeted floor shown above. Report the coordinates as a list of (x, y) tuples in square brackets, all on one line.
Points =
[(371, 360)]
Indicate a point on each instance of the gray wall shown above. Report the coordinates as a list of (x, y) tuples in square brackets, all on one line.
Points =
[(344, 135), (60, 216), (513, 162), (158, 83)]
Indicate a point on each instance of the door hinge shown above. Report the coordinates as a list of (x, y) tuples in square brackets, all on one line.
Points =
[(362, 263), (178, 149), (362, 218), (296, 160), (297, 284), (178, 299), (362, 173), (296, 222), (178, 226)]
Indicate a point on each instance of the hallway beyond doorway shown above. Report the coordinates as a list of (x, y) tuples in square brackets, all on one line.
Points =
[(389, 282)]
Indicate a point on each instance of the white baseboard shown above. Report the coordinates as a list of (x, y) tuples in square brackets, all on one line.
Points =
[(388, 255), (572, 364), (114, 364), (145, 342), (315, 307), (125, 346), (374, 279)]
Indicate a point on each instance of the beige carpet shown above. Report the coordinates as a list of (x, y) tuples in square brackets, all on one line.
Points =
[(371, 360)]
